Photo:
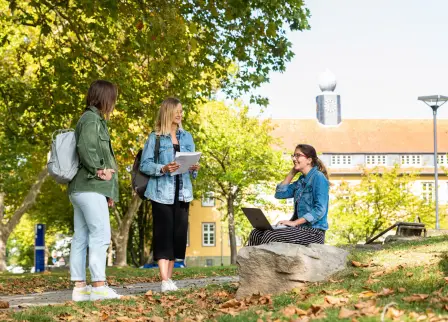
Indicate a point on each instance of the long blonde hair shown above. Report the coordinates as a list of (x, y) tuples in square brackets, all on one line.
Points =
[(166, 115)]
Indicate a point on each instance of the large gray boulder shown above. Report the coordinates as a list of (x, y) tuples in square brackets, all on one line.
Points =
[(277, 267)]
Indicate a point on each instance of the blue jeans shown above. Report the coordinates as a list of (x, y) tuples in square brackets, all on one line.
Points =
[(92, 228)]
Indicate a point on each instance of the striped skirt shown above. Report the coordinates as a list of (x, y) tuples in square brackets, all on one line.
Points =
[(292, 235)]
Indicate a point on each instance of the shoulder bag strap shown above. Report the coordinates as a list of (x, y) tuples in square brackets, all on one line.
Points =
[(157, 149)]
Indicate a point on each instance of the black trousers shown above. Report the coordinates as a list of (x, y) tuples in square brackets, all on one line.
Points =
[(169, 230)]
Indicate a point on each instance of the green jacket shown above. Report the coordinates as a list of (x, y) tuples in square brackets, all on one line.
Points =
[(95, 152)]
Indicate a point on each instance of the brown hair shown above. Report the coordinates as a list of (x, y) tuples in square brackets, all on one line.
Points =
[(166, 116), (103, 95), (310, 152)]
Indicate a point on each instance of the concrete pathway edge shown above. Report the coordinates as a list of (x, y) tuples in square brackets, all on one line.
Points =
[(59, 297)]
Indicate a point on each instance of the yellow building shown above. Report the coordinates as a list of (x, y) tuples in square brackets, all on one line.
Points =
[(208, 236)]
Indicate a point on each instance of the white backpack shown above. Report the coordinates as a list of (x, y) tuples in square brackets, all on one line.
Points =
[(63, 161)]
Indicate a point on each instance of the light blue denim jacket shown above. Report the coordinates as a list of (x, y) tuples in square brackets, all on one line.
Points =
[(313, 202), (161, 186)]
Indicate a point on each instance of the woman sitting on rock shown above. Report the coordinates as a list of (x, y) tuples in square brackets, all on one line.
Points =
[(310, 192)]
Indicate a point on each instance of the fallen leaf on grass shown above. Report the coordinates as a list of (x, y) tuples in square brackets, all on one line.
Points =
[(335, 281), (386, 292), (446, 279), (393, 313), (316, 312), (346, 313), (365, 304), (415, 298), (221, 294), (409, 274), (338, 292), (156, 319), (359, 264), (336, 301), (370, 310), (289, 311), (125, 319), (377, 274), (367, 294), (233, 303), (401, 289), (4, 305)]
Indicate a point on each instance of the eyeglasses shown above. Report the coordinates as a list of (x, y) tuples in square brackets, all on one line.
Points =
[(298, 155)]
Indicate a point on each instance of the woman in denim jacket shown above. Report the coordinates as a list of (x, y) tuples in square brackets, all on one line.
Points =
[(170, 195), (311, 195)]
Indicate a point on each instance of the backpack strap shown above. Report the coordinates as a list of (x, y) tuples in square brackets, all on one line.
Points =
[(157, 149)]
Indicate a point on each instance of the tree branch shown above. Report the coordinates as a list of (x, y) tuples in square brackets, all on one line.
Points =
[(223, 166), (117, 216), (29, 200), (2, 206)]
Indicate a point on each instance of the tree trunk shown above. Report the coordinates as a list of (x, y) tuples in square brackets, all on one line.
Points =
[(121, 235), (141, 235), (3, 240), (110, 254), (232, 238), (6, 228)]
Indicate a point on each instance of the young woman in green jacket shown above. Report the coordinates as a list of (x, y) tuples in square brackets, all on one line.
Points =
[(92, 191)]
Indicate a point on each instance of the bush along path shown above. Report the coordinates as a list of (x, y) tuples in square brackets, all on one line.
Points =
[(405, 282)]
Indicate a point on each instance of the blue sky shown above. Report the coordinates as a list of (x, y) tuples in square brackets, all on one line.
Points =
[(384, 54)]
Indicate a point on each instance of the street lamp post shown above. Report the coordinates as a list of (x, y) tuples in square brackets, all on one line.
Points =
[(434, 102)]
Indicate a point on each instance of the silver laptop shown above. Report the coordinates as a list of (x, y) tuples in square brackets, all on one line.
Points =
[(258, 220)]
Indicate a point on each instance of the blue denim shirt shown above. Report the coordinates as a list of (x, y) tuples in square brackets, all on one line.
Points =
[(161, 186), (313, 203)]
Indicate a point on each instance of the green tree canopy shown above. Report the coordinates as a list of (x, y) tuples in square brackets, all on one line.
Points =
[(238, 162), (382, 198)]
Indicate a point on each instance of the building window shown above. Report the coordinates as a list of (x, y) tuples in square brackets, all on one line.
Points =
[(209, 262), (403, 187), (341, 160), (208, 234), (411, 159), (375, 160), (428, 191), (442, 159), (208, 199)]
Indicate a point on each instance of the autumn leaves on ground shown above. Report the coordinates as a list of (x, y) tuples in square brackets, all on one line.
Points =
[(404, 282)]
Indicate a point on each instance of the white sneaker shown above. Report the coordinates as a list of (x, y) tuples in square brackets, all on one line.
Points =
[(81, 293), (166, 287), (173, 285), (103, 293)]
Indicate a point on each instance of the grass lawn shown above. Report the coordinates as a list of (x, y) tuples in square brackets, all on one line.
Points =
[(405, 281), (60, 279)]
